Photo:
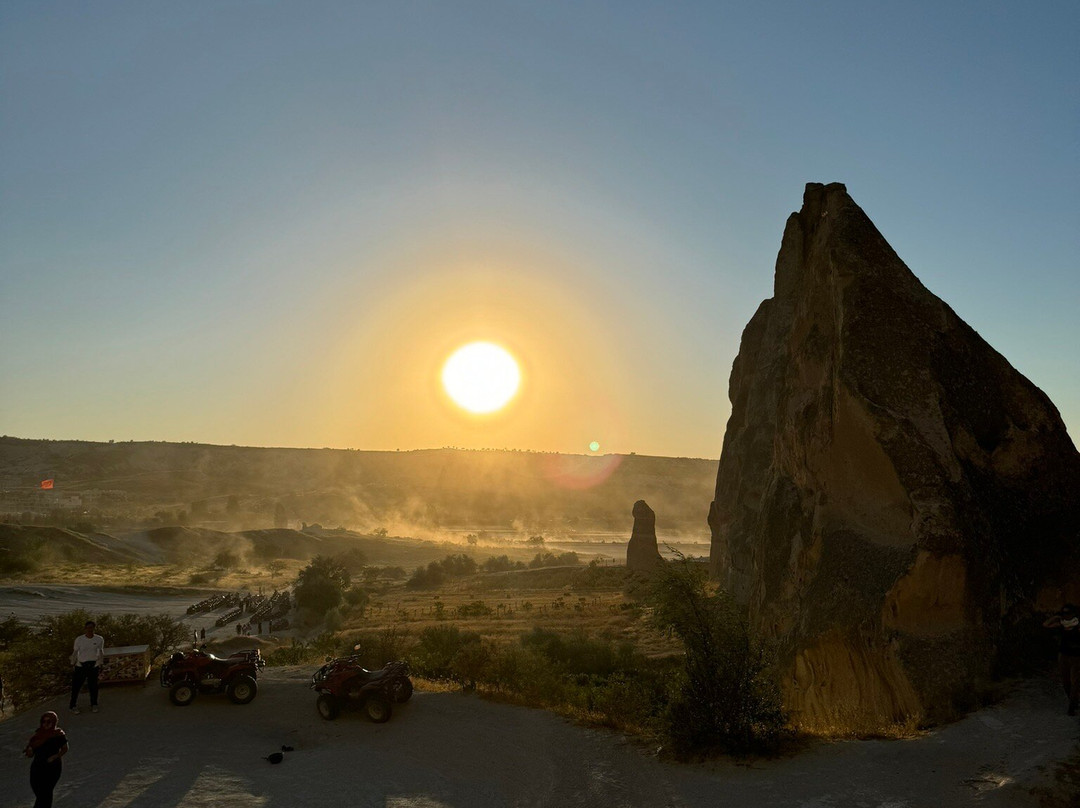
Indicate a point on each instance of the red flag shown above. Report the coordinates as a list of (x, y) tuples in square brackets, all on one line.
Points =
[(46, 483)]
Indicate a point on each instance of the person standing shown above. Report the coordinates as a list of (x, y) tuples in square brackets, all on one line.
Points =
[(88, 655), (46, 747), (1067, 622)]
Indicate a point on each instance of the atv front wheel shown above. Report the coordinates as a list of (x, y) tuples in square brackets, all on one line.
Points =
[(328, 706), (377, 708), (183, 693), (403, 689), (242, 689)]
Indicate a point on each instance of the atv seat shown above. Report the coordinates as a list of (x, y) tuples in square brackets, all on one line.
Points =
[(370, 676)]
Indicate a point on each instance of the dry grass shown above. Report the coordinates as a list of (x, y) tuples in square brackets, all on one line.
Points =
[(513, 612), (163, 575)]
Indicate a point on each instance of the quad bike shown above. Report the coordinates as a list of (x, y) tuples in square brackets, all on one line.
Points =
[(187, 674), (343, 683)]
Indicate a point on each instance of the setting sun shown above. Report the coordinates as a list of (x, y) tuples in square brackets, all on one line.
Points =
[(481, 377)]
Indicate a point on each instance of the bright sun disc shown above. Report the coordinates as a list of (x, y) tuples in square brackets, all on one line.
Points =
[(481, 377)]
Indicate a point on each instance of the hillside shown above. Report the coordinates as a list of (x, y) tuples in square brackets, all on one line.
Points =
[(423, 492)]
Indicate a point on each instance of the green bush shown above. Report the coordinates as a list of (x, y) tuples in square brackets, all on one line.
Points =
[(578, 653), (320, 586), (549, 559), (357, 598), (227, 559), (437, 651), (501, 564), (475, 609), (428, 577), (37, 664), (724, 698), (333, 619), (376, 648), (436, 573), (353, 560), (12, 631), (296, 654)]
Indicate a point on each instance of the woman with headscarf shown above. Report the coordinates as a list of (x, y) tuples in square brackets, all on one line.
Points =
[(46, 747)]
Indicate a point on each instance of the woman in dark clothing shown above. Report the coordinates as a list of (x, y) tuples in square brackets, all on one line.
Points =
[(1067, 624), (46, 747)]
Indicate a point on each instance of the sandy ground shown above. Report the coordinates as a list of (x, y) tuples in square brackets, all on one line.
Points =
[(444, 750), (30, 601)]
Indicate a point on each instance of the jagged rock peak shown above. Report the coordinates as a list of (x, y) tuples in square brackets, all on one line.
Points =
[(891, 492)]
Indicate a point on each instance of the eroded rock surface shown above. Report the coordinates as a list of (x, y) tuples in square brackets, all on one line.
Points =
[(894, 500), (642, 553)]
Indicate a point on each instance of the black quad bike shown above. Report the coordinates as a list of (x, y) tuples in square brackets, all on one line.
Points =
[(187, 674), (343, 684)]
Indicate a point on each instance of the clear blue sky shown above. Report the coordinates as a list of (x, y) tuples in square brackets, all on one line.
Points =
[(266, 223)]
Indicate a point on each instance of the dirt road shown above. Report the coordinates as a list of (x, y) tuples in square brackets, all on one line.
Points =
[(453, 751)]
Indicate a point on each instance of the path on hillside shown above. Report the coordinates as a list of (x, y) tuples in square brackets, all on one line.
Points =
[(446, 750)]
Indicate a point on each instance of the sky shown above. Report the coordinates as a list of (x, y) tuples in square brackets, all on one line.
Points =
[(269, 224)]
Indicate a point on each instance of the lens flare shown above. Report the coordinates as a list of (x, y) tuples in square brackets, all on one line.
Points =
[(481, 377)]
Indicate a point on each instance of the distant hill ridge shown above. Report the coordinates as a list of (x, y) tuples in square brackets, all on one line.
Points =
[(436, 489)]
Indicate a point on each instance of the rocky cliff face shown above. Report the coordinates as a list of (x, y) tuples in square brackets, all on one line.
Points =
[(894, 500), (642, 553)]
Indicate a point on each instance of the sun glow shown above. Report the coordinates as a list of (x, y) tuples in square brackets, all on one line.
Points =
[(481, 377)]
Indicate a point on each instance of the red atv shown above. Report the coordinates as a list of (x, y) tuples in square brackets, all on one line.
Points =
[(188, 674), (344, 684)]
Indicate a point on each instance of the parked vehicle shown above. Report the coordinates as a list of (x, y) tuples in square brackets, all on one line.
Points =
[(190, 673), (344, 684)]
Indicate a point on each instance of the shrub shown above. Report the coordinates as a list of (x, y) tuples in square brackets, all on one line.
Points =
[(321, 584), (579, 654), (549, 559), (475, 609), (357, 597), (456, 566), (501, 564), (724, 698), (376, 648), (36, 664), (227, 559), (296, 654), (333, 619), (12, 631), (352, 560), (438, 648), (428, 577), (436, 573)]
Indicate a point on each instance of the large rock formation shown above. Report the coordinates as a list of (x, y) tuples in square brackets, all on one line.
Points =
[(894, 500), (642, 554)]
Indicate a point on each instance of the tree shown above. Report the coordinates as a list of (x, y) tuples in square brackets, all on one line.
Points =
[(227, 559), (725, 698), (352, 560), (276, 567), (320, 585), (37, 662)]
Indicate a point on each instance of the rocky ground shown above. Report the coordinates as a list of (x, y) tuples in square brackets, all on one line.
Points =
[(446, 749)]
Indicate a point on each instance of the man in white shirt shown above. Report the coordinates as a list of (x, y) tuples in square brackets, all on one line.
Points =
[(87, 656)]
